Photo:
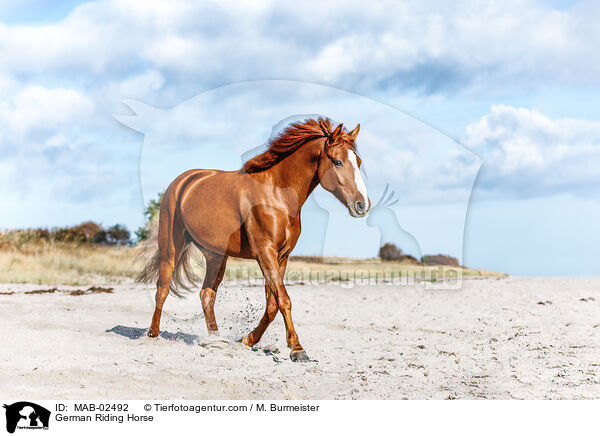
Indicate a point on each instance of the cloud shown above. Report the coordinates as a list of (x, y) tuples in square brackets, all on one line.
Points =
[(61, 81), (52, 147), (39, 108), (438, 48), (527, 154), (37, 120)]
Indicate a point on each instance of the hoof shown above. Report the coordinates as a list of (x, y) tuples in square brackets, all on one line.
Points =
[(246, 341), (153, 334), (299, 356), (214, 333)]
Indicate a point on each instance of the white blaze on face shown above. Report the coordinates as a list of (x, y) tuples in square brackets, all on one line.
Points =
[(358, 180)]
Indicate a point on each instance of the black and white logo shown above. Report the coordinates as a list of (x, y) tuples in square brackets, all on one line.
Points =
[(26, 415)]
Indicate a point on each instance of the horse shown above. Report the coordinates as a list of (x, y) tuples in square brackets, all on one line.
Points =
[(252, 213)]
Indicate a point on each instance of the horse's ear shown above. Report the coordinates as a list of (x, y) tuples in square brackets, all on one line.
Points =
[(336, 133), (353, 134)]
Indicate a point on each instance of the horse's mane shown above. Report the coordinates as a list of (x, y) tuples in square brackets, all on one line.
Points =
[(287, 142)]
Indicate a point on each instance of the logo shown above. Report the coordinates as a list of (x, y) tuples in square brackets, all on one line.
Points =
[(26, 415)]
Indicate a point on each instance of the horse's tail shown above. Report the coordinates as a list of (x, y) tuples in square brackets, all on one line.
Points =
[(183, 277)]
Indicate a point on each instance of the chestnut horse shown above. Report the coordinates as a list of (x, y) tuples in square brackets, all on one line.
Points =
[(253, 213)]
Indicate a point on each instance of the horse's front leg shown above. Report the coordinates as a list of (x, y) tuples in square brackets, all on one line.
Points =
[(274, 274), (268, 317), (271, 310)]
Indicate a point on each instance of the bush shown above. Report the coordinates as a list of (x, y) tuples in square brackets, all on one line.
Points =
[(115, 235), (16, 238), (440, 259), (390, 252), (307, 259), (407, 258), (84, 233), (87, 229)]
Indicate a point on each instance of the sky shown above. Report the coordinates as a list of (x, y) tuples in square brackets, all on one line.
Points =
[(485, 113)]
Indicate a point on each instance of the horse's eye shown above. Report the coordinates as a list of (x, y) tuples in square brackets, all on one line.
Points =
[(338, 163)]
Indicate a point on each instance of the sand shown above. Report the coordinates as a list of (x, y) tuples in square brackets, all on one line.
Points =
[(527, 338)]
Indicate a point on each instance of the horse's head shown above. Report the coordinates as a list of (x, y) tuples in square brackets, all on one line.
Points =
[(339, 171)]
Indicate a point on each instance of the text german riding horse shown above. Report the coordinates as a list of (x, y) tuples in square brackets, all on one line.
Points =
[(253, 213)]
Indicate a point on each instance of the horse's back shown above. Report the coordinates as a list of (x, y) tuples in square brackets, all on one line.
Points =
[(208, 202)]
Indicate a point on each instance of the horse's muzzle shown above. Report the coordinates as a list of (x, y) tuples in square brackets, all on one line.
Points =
[(359, 209)]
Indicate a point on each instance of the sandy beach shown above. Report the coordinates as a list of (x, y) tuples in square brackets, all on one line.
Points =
[(509, 338)]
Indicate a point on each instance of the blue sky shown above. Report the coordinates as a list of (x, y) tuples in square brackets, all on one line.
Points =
[(36, 11), (516, 82)]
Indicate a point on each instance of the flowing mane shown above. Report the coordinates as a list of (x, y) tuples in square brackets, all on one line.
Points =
[(287, 142)]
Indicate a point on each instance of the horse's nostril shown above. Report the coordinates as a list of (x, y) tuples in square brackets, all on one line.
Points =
[(359, 206)]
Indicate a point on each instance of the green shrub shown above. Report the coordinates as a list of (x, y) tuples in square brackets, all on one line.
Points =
[(151, 214)]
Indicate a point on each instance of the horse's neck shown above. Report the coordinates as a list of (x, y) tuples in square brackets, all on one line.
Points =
[(299, 170)]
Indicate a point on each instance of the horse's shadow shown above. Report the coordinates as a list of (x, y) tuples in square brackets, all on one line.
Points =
[(189, 339), (138, 332)]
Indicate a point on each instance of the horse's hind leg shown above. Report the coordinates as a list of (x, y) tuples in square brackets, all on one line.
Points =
[(215, 269), (166, 271), (162, 290), (170, 247)]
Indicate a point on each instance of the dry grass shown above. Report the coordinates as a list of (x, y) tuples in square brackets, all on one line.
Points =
[(87, 264), (65, 263)]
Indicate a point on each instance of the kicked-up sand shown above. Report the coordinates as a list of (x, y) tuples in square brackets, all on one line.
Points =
[(494, 338)]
